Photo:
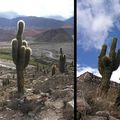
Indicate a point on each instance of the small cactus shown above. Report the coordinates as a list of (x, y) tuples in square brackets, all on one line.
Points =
[(53, 69), (21, 55), (62, 61), (108, 64)]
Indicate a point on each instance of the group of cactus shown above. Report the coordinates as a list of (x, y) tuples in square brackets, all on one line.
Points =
[(106, 66), (41, 69), (62, 63), (21, 56)]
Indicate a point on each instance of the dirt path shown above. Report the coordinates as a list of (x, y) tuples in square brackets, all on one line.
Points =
[(9, 64), (49, 54)]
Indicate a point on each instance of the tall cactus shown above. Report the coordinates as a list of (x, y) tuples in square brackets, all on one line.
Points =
[(62, 61), (21, 55), (108, 64)]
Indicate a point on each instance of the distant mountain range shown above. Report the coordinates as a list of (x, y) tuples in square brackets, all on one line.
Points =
[(51, 28), (12, 14), (10, 18), (57, 17), (36, 22), (38, 27)]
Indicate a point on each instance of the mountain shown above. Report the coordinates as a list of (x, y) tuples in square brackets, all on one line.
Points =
[(90, 106), (54, 35), (6, 35), (9, 14), (56, 17), (36, 27), (69, 21), (34, 22), (38, 22)]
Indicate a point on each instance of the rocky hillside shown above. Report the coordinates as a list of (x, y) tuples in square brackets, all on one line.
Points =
[(92, 107), (46, 97), (54, 35), (6, 35)]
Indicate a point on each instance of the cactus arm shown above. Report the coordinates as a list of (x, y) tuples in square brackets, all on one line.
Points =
[(27, 56), (112, 53), (14, 50), (100, 58), (103, 51), (25, 43), (117, 61)]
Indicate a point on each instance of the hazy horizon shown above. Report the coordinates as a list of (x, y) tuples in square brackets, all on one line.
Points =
[(39, 8)]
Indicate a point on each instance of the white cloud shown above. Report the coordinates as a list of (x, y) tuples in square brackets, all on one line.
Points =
[(100, 24), (39, 7), (82, 69), (95, 19)]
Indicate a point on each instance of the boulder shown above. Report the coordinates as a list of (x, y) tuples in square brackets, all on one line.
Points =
[(95, 118), (69, 110), (103, 113)]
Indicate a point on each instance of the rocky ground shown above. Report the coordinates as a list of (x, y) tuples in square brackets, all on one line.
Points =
[(92, 107), (46, 97)]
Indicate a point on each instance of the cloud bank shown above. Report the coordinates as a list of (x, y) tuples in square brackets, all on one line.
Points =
[(82, 69), (41, 8), (95, 19)]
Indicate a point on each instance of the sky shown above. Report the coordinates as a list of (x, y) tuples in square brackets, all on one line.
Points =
[(39, 8), (97, 22)]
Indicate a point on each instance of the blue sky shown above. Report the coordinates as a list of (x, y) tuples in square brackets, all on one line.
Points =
[(97, 22), (40, 8)]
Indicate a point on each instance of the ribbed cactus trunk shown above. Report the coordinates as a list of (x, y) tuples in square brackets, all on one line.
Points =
[(19, 69), (106, 65), (20, 81), (21, 56), (105, 84)]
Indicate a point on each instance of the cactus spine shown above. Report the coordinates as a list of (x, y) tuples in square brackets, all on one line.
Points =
[(62, 61), (21, 55), (108, 64)]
